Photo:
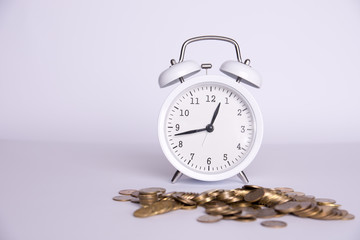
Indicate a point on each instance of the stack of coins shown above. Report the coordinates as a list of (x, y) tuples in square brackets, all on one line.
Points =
[(148, 196), (241, 204)]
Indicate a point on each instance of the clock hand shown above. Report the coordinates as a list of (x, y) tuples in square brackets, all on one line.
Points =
[(215, 114), (191, 131), (204, 139), (208, 128)]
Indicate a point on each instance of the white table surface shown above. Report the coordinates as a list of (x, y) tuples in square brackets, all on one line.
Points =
[(64, 191)]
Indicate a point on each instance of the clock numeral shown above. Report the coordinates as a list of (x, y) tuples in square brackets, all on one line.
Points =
[(238, 146), (177, 127), (226, 100), (210, 98), (192, 156), (184, 112), (225, 157), (180, 144), (194, 101), (242, 129), (239, 112), (208, 161)]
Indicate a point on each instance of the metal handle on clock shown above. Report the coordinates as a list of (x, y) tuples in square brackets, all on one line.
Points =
[(210, 37)]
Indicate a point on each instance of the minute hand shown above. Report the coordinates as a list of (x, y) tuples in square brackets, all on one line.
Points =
[(215, 114), (191, 131)]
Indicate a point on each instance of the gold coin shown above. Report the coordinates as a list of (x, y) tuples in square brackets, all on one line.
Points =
[(203, 198), (248, 212), (143, 212), (241, 204), (324, 200), (284, 189), (311, 211), (134, 200), (293, 194), (135, 194), (254, 195), (217, 210), (165, 195), (310, 196), (213, 192), (225, 195), (189, 195), (127, 191), (349, 216), (302, 199), (230, 217), (325, 211), (288, 207), (231, 211), (274, 224), (266, 213), (304, 205), (329, 204), (124, 198), (209, 218), (181, 197), (152, 190), (165, 206), (148, 198), (239, 192)]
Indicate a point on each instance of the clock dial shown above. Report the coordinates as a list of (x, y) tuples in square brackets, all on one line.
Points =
[(210, 128)]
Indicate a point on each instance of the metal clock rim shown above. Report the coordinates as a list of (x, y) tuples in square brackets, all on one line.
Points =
[(257, 136)]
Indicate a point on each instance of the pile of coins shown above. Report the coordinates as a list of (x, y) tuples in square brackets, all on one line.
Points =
[(241, 204)]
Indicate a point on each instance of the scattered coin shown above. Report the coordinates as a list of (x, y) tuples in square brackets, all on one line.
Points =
[(122, 198), (302, 198), (127, 191), (288, 207), (135, 200), (349, 217), (248, 212), (266, 213), (274, 224), (152, 190), (325, 201), (254, 195), (209, 218), (293, 194), (284, 189), (143, 212), (135, 194)]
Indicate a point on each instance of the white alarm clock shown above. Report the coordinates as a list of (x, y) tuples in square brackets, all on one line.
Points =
[(210, 126)]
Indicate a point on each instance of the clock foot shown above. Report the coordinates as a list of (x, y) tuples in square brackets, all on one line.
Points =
[(243, 177), (176, 176)]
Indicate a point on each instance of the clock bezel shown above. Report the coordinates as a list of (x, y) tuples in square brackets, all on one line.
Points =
[(258, 130)]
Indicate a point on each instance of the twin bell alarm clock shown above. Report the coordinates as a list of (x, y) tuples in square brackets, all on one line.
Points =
[(210, 126)]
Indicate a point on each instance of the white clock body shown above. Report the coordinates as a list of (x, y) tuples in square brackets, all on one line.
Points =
[(217, 153)]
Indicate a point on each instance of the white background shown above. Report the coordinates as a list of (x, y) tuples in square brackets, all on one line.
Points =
[(79, 102), (87, 70)]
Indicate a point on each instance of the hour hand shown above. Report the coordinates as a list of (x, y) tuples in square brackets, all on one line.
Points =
[(191, 131)]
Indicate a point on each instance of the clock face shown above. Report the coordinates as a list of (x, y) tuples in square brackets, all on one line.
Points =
[(209, 129)]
